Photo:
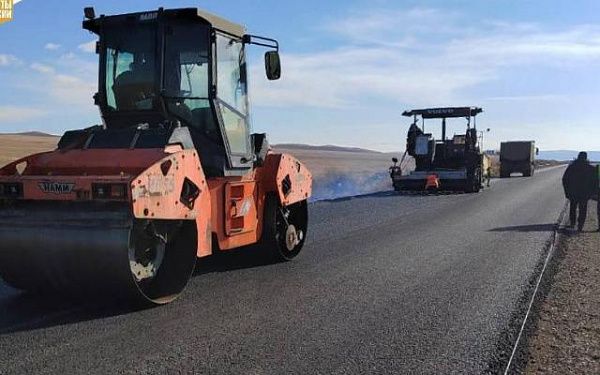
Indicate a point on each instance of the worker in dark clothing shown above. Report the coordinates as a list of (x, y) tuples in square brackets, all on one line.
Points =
[(579, 183), (598, 194), (411, 141)]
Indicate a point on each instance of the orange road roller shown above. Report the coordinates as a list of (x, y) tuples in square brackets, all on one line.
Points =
[(173, 174)]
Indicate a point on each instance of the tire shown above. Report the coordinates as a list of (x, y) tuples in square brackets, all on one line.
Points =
[(16, 284), (173, 270), (473, 184), (399, 188), (284, 229)]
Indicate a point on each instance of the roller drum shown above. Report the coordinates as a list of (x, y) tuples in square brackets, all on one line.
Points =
[(95, 250)]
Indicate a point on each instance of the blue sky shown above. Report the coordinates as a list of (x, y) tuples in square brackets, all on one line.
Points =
[(349, 67)]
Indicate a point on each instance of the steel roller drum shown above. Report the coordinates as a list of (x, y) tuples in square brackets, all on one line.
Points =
[(88, 250)]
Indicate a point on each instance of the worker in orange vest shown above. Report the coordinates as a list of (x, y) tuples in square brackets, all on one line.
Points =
[(432, 182)]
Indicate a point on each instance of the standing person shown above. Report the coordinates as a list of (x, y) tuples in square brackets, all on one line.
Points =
[(598, 194), (579, 183)]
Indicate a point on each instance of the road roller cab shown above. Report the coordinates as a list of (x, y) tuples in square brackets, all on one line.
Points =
[(171, 175)]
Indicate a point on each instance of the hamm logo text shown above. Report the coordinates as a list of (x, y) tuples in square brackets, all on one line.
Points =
[(56, 187)]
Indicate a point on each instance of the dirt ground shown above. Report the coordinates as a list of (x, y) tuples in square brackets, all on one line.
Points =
[(566, 339), (336, 173), (13, 147), (321, 163)]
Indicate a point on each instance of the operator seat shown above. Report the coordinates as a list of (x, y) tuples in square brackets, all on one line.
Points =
[(424, 151), (134, 86)]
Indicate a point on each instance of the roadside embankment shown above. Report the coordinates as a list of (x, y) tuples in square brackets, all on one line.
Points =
[(565, 338)]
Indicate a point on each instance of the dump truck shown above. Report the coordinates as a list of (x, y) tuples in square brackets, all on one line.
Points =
[(449, 164), (517, 157), (172, 175)]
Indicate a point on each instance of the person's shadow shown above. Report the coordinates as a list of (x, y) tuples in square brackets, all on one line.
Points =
[(527, 228), (562, 230)]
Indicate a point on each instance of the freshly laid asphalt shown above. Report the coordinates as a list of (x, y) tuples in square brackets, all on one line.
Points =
[(387, 283)]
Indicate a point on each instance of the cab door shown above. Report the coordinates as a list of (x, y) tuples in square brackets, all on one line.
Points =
[(232, 101)]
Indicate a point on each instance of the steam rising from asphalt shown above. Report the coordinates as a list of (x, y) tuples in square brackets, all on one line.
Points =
[(338, 185)]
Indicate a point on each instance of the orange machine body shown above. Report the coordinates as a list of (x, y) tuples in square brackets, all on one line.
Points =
[(163, 184)]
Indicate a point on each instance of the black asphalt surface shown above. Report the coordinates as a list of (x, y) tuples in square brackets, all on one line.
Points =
[(386, 284)]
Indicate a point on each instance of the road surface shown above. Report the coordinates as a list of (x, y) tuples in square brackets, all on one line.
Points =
[(386, 284)]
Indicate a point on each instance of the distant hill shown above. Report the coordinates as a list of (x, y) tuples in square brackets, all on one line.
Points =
[(296, 146), (31, 134), (558, 155), (566, 155)]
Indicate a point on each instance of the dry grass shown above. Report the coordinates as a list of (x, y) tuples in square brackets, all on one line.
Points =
[(14, 147), (336, 173), (321, 163)]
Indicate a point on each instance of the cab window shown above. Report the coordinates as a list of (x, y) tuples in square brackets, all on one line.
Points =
[(129, 67), (232, 93)]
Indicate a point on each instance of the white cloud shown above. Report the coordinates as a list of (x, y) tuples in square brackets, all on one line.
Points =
[(346, 76), (68, 56), (41, 68), (8, 60), (14, 114), (388, 27), (59, 88), (578, 44), (528, 98), (70, 81), (73, 90), (419, 56), (89, 47), (52, 46)]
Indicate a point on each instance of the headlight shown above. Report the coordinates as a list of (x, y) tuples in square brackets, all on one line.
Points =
[(11, 190), (109, 191)]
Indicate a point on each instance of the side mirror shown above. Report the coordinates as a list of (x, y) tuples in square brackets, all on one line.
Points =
[(537, 151), (395, 160), (273, 65)]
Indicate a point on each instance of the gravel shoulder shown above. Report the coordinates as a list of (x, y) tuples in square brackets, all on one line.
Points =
[(565, 337)]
